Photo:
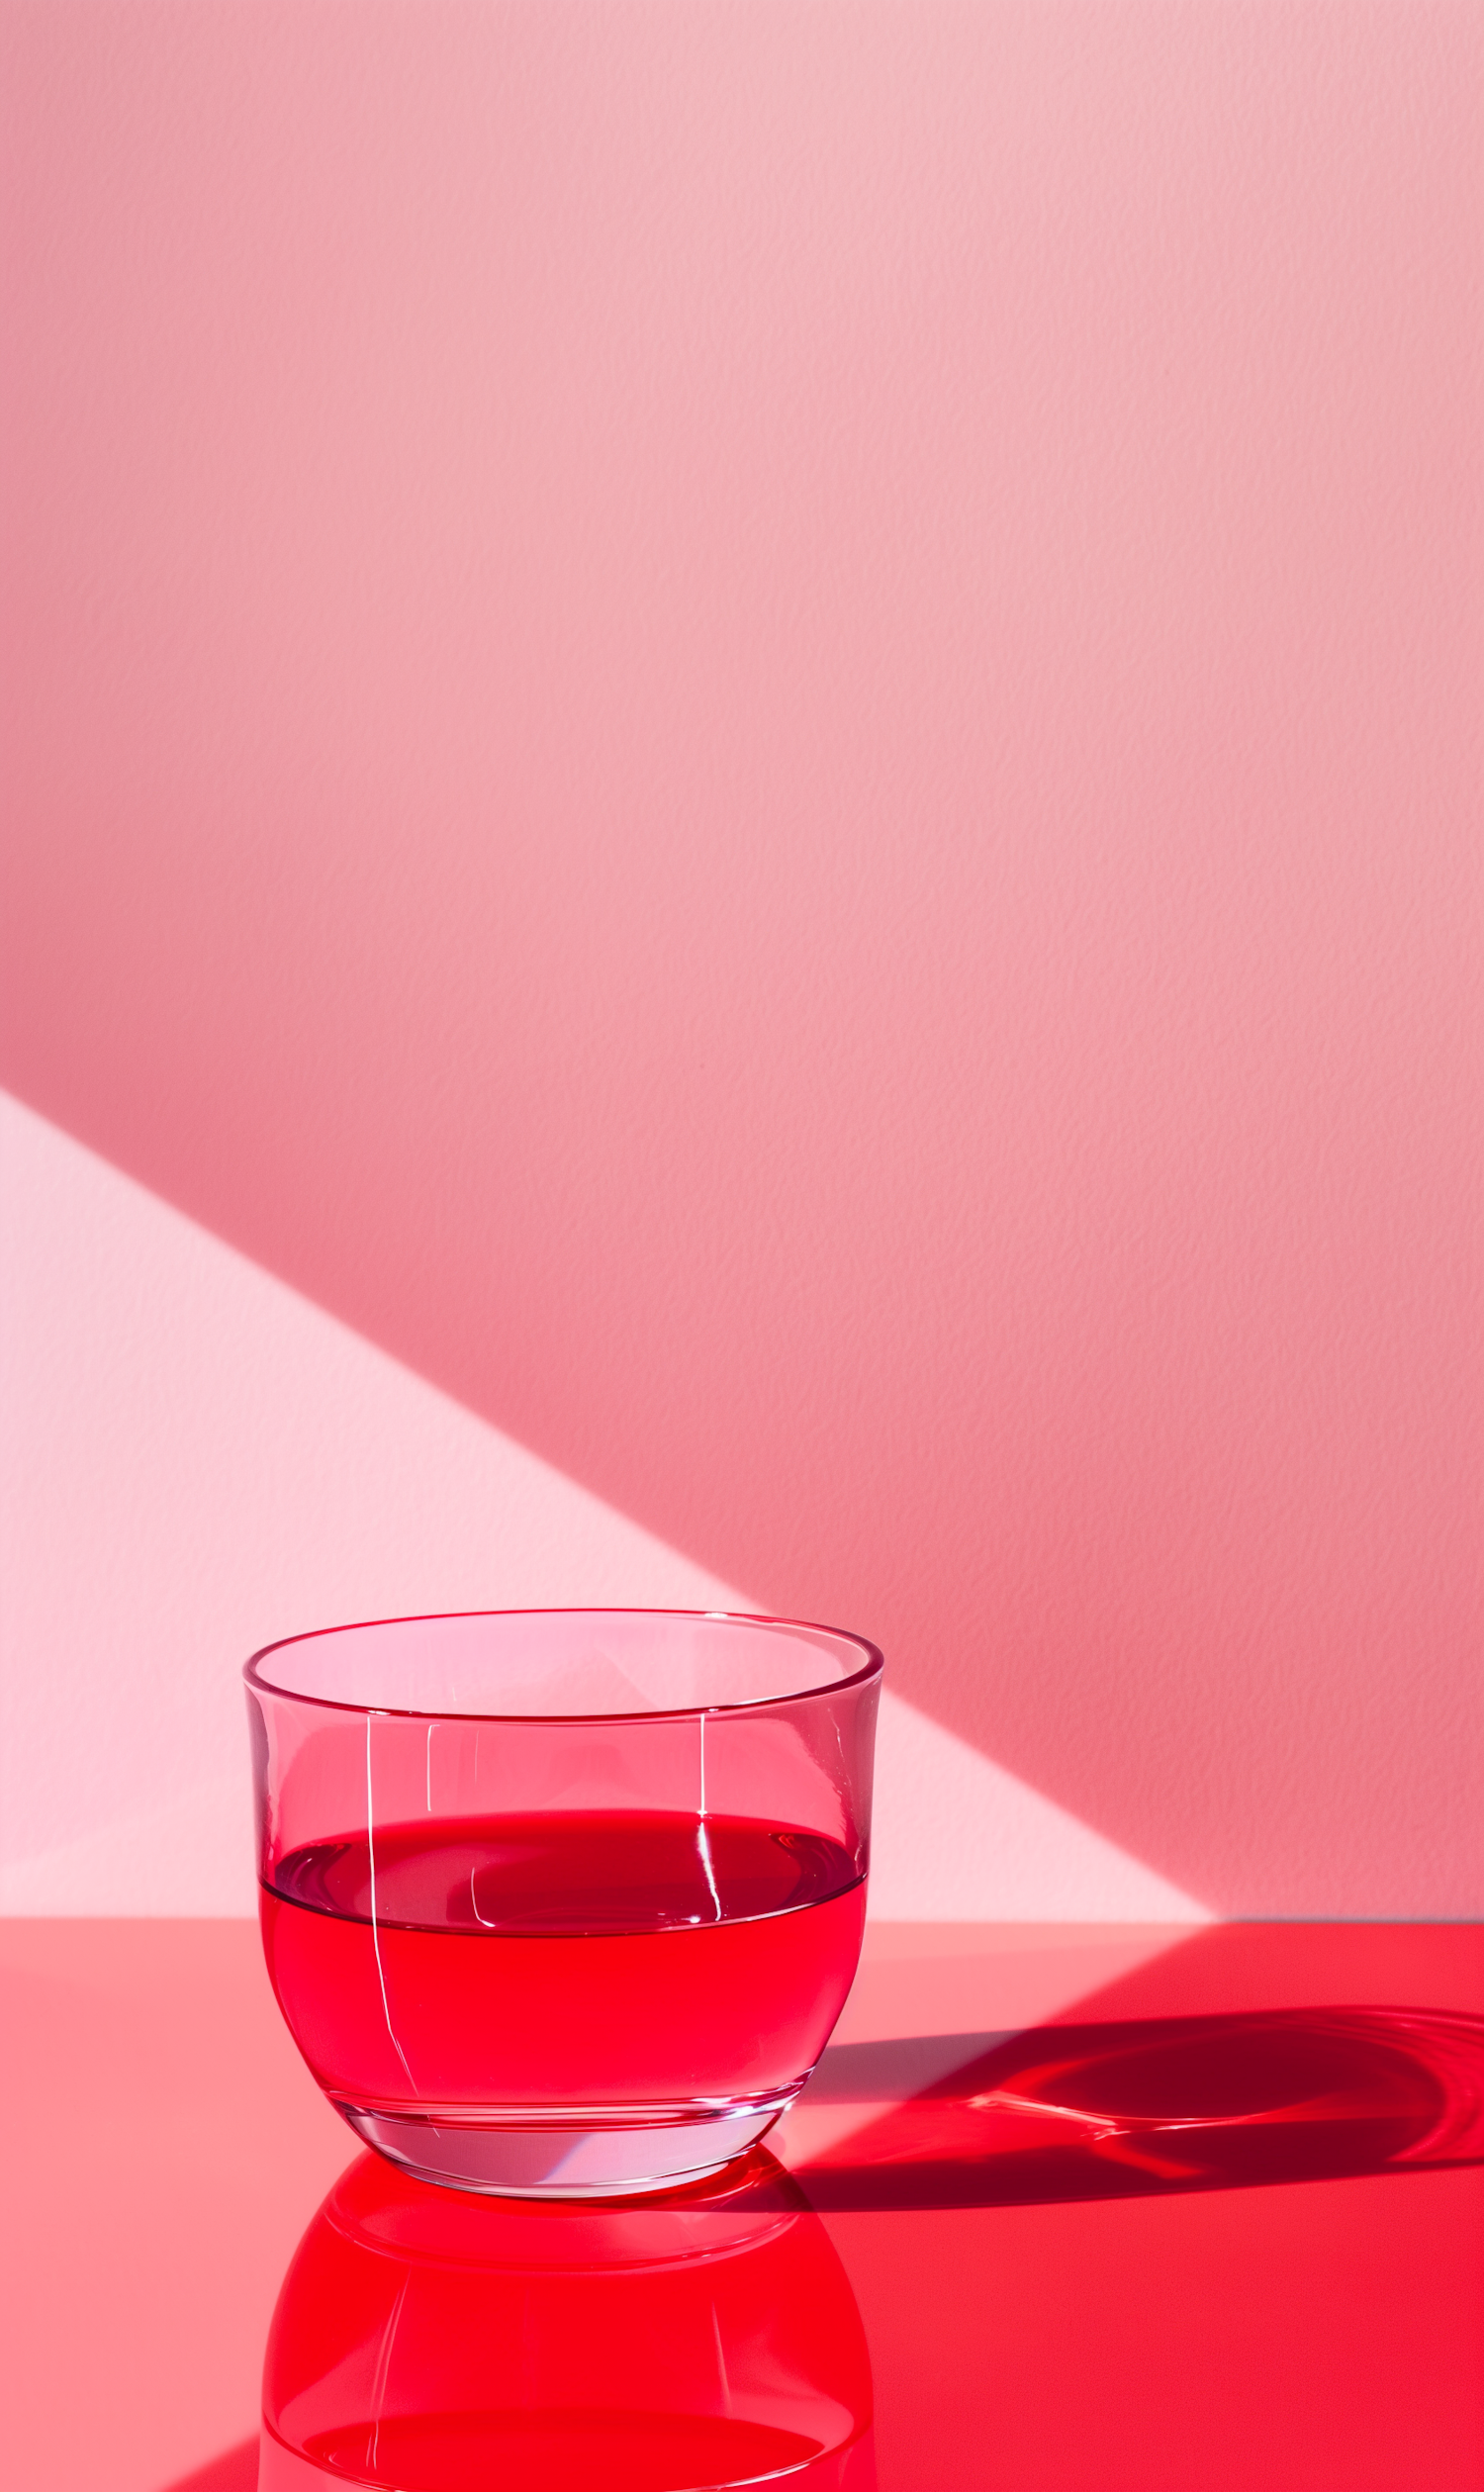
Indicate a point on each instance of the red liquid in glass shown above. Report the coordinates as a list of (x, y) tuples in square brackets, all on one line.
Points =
[(619, 1957)]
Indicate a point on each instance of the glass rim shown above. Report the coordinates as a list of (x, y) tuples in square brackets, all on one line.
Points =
[(870, 1668)]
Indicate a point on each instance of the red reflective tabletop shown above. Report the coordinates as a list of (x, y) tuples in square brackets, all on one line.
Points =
[(1064, 2210)]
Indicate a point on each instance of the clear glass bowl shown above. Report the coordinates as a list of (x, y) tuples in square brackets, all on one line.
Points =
[(563, 1903)]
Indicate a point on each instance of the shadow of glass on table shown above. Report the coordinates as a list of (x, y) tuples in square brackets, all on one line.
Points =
[(1140, 2110)]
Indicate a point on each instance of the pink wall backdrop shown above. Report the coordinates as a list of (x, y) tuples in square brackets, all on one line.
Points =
[(754, 727)]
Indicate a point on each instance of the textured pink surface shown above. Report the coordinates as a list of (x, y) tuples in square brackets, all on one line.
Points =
[(757, 727)]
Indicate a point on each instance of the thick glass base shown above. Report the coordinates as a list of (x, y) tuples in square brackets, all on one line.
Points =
[(592, 2151)]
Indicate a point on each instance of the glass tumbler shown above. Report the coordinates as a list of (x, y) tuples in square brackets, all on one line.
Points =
[(563, 1903)]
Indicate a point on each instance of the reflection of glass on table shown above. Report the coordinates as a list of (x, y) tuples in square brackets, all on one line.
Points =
[(436, 2342)]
